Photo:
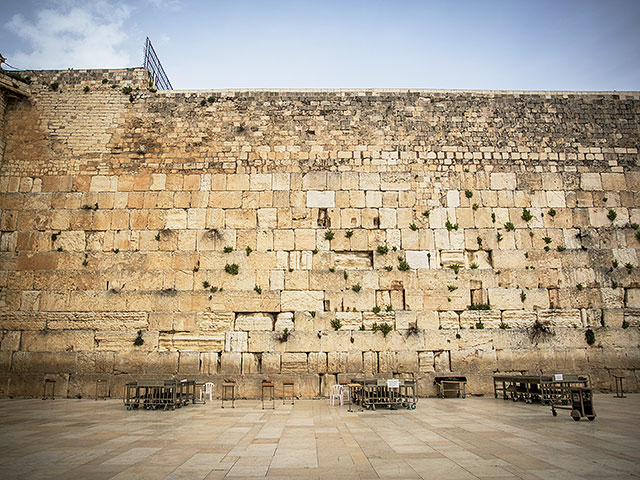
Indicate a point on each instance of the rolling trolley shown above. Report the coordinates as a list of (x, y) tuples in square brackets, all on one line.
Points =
[(581, 400)]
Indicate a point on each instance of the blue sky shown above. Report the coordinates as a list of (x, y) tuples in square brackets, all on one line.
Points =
[(464, 44)]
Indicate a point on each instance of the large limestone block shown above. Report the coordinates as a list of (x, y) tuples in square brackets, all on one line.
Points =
[(325, 199), (449, 320), (109, 321), (505, 298), (561, 318), (294, 362), (452, 257), (387, 362), (349, 320), (310, 301), (123, 341), (354, 362), (360, 301), (489, 318), (503, 181), (231, 363), (299, 341), (519, 318), (215, 321), (474, 360), (337, 362), (209, 362), (427, 319), (405, 319), (417, 259), (632, 299), (236, 341), (271, 362), (9, 342), (317, 362), (57, 341), (250, 363), (284, 320), (407, 361), (189, 342), (22, 321), (590, 181), (241, 218), (254, 321)]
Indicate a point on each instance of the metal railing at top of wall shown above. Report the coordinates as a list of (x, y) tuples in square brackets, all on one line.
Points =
[(154, 67)]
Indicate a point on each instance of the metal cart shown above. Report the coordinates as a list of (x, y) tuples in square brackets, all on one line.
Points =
[(537, 388), (451, 386), (391, 393), (581, 404)]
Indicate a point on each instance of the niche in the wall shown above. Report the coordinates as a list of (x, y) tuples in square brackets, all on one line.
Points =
[(323, 218)]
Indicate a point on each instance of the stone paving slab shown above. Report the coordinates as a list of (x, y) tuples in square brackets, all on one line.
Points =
[(472, 438)]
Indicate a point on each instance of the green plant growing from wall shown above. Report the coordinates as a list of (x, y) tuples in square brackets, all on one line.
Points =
[(362, 328), (336, 324), (526, 214), (493, 217), (389, 308), (473, 266), (625, 324), (547, 240), (589, 336), (614, 284), (138, 340), (413, 227), (54, 86), (126, 90), (615, 263), (629, 267), (227, 249), (213, 289), (86, 89), (205, 284), (196, 267), (332, 269), (248, 250), (455, 267), (523, 297), (328, 235), (479, 325), (284, 336), (345, 275), (451, 226), (313, 314), (579, 287), (504, 326), (561, 248), (314, 251), (452, 288), (349, 233), (385, 328), (552, 212), (499, 237), (157, 237), (388, 268), (231, 269), (376, 309), (356, 288), (257, 289), (479, 306), (509, 226), (426, 213), (382, 249), (475, 206), (479, 241), (468, 193), (612, 215), (403, 266)]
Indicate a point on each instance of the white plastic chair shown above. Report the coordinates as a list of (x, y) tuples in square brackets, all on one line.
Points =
[(346, 393), (335, 392), (207, 390)]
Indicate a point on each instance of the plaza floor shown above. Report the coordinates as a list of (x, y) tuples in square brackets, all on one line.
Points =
[(443, 438)]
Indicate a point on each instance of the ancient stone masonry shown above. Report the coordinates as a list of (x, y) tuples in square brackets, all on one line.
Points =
[(387, 232)]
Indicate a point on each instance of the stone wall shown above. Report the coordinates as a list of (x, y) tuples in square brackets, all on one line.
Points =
[(127, 210)]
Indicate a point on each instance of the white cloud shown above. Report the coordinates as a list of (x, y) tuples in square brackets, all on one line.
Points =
[(174, 5), (74, 35)]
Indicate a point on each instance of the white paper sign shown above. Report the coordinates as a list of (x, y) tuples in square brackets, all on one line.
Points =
[(393, 383), (557, 377)]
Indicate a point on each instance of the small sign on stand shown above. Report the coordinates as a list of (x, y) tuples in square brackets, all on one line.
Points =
[(393, 383)]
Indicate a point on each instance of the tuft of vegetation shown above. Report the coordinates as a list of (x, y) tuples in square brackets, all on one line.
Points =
[(479, 306), (475, 206), (328, 235), (17, 76), (227, 249), (451, 226), (388, 268), (493, 217), (523, 297), (157, 237), (539, 330), (614, 284), (332, 269), (389, 308), (257, 289), (376, 309), (356, 288), (629, 267), (552, 212), (385, 328), (403, 266), (504, 326), (126, 90), (231, 269), (54, 86), (479, 241), (314, 251), (313, 314), (348, 233), (499, 236), (116, 250), (336, 324), (105, 80), (615, 264), (412, 330), (635, 226), (473, 266), (547, 240), (345, 274), (455, 267), (362, 329), (590, 337), (579, 287), (479, 325), (413, 227), (86, 89), (612, 215), (458, 336), (138, 340), (526, 214), (213, 289), (452, 288), (625, 324), (383, 249), (248, 250), (509, 226), (468, 193), (205, 284), (284, 336)]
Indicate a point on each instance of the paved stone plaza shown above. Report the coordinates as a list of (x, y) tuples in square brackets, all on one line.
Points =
[(452, 439)]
